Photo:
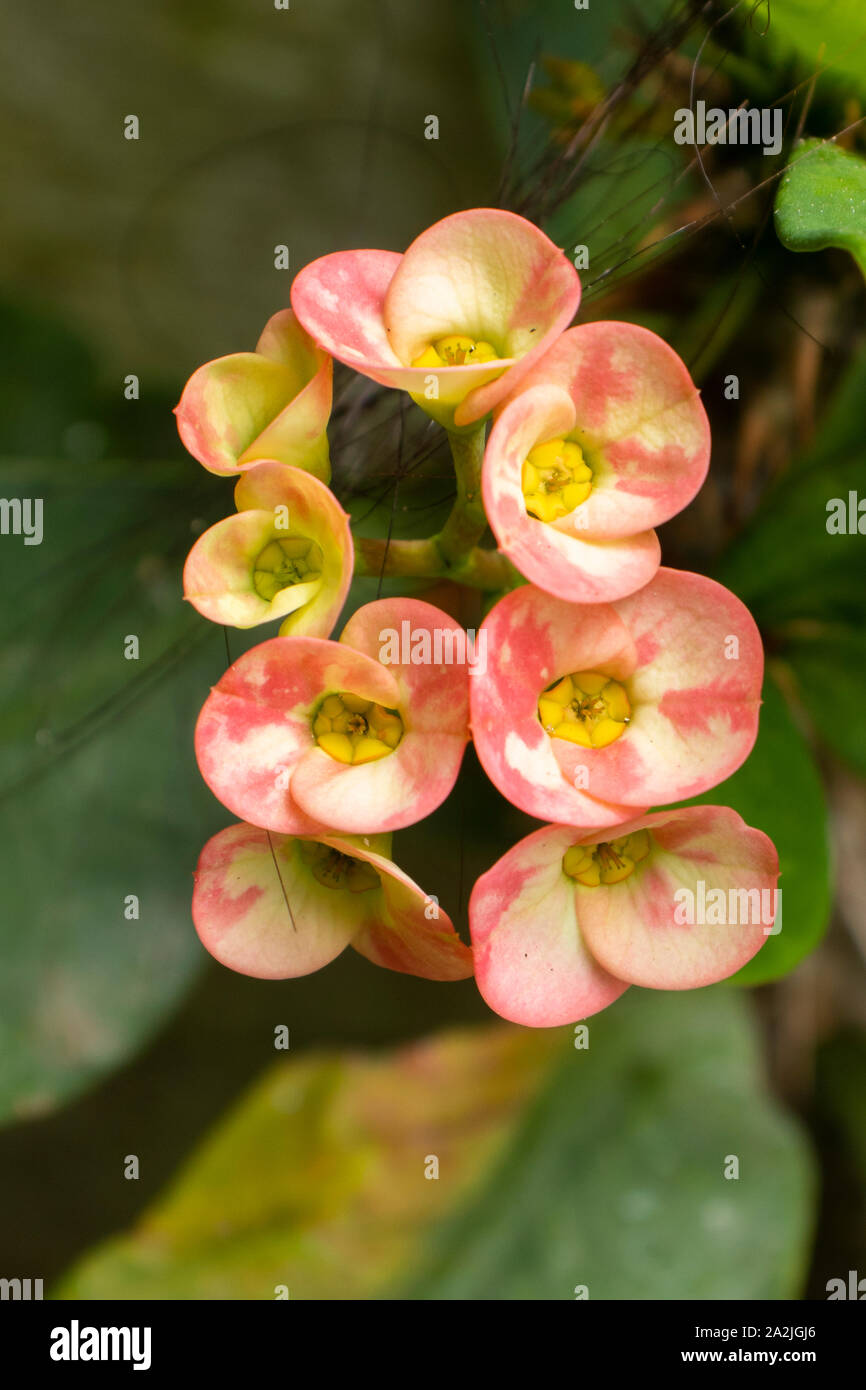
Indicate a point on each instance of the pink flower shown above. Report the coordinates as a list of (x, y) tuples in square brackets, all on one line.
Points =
[(456, 321), (288, 551), (589, 714), (276, 907), (302, 733), (569, 918), (604, 439), (273, 403)]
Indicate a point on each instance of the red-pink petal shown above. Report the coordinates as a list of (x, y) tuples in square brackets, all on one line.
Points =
[(412, 934), (571, 561), (532, 639), (218, 574), (695, 692), (258, 910), (254, 729), (639, 419), (435, 692), (369, 309), (387, 795), (636, 928), (313, 511), (489, 274), (273, 403), (339, 299), (531, 963), (433, 701)]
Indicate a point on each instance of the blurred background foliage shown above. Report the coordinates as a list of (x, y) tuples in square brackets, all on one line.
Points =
[(560, 1166)]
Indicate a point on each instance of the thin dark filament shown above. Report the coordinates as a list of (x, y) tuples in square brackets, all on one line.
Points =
[(282, 885)]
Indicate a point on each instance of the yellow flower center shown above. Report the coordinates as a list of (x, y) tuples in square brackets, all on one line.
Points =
[(456, 351), (556, 478), (291, 560), (609, 862), (333, 869), (355, 730), (586, 708)]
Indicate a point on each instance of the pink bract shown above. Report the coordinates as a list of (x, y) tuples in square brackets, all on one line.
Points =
[(689, 656), (550, 950), (254, 739), (273, 403), (626, 399), (275, 502), (260, 910), (484, 273)]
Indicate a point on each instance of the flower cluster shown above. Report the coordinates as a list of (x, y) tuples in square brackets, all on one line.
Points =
[(609, 684)]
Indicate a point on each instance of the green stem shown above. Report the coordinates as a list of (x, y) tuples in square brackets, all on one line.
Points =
[(467, 522), (480, 569), (454, 553), (414, 559)]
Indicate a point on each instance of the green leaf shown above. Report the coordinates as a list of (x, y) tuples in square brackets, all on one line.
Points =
[(821, 201), (841, 431), (103, 799), (616, 1178), (48, 394), (806, 585), (789, 568), (557, 1166), (820, 34), (828, 675), (778, 790), (316, 1180)]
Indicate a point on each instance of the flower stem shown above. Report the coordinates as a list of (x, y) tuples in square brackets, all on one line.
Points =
[(454, 553), (467, 521), (480, 569), (413, 559)]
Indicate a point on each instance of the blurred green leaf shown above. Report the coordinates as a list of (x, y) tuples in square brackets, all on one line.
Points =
[(102, 797), (841, 431), (828, 674), (317, 1180), (806, 585), (821, 200), (788, 568), (778, 790), (47, 384), (615, 1180), (821, 34), (720, 315)]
